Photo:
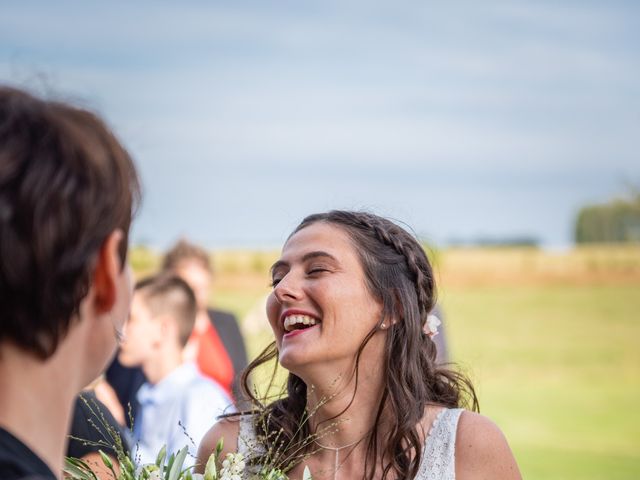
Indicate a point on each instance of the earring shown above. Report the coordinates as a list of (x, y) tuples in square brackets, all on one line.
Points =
[(383, 325)]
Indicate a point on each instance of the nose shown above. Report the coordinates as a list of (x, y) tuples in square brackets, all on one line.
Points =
[(287, 289)]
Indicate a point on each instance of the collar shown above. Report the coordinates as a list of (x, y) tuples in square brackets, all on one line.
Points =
[(167, 388)]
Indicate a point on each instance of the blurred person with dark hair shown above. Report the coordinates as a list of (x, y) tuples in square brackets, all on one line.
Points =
[(67, 192), (177, 400)]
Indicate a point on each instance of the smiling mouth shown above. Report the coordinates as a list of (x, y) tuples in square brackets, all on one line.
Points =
[(299, 322)]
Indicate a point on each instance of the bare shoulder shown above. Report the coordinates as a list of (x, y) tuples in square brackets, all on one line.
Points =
[(482, 451), (227, 430)]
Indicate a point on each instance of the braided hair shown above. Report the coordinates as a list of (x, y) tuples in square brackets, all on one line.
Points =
[(399, 275), (363, 227)]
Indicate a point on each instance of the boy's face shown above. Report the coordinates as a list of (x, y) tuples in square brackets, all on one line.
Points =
[(142, 334)]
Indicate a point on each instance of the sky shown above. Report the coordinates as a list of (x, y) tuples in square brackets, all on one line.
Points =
[(461, 119)]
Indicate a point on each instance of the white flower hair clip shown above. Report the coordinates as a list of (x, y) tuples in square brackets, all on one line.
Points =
[(431, 325)]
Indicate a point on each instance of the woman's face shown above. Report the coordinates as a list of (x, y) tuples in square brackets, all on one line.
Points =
[(320, 309)]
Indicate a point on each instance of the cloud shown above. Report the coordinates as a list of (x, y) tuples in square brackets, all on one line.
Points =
[(471, 98)]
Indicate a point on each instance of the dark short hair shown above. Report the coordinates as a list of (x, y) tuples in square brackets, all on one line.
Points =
[(66, 184), (168, 294), (184, 251)]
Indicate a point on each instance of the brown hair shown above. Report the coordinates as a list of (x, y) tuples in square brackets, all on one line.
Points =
[(66, 183), (167, 294), (186, 251), (398, 274)]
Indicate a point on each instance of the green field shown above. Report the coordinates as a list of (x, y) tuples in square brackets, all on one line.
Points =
[(550, 340), (558, 368)]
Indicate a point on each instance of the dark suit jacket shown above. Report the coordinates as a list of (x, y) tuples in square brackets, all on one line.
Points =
[(228, 330)]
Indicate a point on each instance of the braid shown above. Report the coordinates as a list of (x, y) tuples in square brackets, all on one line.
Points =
[(415, 259)]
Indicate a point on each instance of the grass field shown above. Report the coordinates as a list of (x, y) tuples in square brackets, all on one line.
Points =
[(558, 368), (551, 341)]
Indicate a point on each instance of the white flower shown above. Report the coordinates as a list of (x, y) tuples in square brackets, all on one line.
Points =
[(153, 470), (431, 325), (232, 467), (229, 476)]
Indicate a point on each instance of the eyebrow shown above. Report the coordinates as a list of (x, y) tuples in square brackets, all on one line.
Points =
[(305, 257)]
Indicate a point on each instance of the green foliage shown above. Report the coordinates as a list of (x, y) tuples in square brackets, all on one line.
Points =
[(161, 456), (616, 221), (78, 469)]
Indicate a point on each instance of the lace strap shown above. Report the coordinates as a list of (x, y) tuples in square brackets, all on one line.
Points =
[(438, 455), (247, 441), (248, 445)]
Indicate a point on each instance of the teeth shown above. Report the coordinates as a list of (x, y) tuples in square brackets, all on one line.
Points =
[(292, 320)]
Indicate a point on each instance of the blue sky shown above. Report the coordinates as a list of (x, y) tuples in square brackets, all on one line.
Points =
[(462, 119)]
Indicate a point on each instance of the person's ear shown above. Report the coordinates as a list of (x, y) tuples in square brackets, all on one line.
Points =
[(165, 324), (167, 327), (158, 330), (107, 271)]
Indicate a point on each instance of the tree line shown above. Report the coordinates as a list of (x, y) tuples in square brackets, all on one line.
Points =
[(617, 221)]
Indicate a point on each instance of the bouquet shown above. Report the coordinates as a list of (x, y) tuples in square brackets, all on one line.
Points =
[(232, 467)]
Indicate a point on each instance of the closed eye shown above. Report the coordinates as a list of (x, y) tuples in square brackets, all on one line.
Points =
[(278, 272), (317, 270)]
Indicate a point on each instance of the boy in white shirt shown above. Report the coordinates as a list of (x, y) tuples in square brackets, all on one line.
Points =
[(177, 404)]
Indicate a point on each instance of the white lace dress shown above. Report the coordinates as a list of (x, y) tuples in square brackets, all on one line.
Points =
[(438, 455)]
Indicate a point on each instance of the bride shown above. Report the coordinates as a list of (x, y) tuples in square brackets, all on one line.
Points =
[(350, 305)]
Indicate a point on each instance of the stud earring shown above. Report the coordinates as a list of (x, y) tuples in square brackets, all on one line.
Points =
[(383, 325)]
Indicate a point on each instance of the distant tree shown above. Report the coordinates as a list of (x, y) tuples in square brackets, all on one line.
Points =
[(498, 242), (617, 221)]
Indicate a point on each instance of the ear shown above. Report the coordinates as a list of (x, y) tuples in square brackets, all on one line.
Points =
[(106, 273), (158, 332), (168, 326), (165, 323)]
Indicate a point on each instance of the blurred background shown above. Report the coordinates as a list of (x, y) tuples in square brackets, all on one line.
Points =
[(505, 133)]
